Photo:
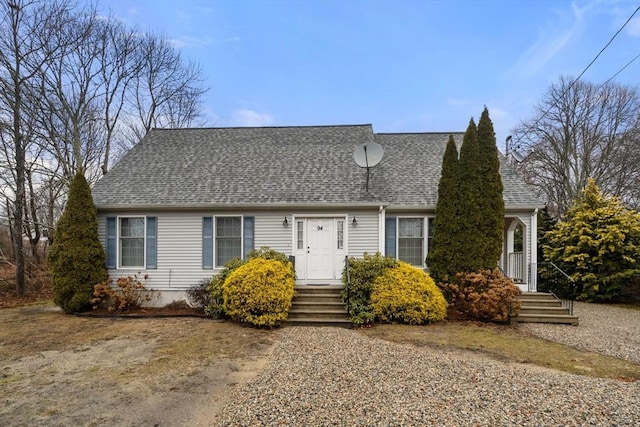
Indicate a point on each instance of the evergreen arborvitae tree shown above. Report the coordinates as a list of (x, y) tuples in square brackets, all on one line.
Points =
[(76, 258), (490, 200), (470, 214), (442, 259)]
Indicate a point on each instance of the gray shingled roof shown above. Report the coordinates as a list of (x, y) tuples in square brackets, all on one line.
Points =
[(275, 166)]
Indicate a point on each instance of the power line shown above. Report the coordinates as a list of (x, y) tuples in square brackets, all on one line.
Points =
[(620, 70), (573, 83)]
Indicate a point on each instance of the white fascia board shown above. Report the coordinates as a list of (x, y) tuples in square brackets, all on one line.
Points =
[(236, 206)]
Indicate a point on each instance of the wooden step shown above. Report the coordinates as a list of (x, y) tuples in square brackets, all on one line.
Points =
[(542, 307), (541, 303), (318, 305), (311, 321), (536, 296), (318, 289), (565, 319), (328, 298), (325, 313), (543, 310)]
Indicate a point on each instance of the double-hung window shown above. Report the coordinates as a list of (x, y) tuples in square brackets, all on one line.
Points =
[(411, 240), (228, 239), (131, 242), (225, 238)]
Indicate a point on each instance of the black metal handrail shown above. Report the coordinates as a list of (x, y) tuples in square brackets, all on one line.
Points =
[(348, 284), (551, 278)]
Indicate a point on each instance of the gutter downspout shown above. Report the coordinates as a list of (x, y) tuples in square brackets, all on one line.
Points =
[(381, 229)]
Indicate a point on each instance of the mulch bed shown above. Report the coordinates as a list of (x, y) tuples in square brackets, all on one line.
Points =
[(147, 312)]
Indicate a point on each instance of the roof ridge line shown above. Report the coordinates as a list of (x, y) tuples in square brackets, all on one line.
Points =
[(266, 127)]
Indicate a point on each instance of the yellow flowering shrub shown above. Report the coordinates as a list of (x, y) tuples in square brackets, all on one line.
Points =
[(259, 292), (407, 294)]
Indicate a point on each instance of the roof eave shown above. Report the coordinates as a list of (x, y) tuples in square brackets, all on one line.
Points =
[(236, 206)]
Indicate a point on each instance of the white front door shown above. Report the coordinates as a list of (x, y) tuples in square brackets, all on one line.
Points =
[(318, 242), (320, 249)]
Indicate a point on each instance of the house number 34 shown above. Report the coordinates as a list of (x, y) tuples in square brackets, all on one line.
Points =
[(320, 227)]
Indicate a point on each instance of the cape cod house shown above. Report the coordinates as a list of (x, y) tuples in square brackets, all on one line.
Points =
[(183, 202)]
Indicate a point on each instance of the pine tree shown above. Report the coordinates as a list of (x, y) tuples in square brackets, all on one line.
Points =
[(546, 223), (442, 259), (470, 215), (599, 242), (76, 258), (490, 200)]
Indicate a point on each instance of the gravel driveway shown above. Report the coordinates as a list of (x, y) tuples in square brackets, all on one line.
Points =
[(339, 377)]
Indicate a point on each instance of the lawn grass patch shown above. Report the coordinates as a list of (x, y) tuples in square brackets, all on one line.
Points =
[(508, 343)]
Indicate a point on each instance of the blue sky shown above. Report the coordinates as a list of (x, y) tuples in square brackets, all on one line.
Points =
[(403, 66)]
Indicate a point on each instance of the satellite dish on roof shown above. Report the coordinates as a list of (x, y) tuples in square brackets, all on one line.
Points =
[(517, 156), (368, 155)]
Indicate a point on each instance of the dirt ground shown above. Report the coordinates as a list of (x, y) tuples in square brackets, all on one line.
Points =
[(57, 369)]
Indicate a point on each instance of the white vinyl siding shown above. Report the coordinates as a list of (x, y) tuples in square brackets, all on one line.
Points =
[(179, 252), (180, 242), (363, 237), (270, 232)]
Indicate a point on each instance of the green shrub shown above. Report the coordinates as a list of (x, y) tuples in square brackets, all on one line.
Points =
[(597, 244), (214, 307), (177, 305), (76, 258), (266, 252), (259, 292), (407, 294), (199, 295), (488, 296), (128, 293), (363, 272)]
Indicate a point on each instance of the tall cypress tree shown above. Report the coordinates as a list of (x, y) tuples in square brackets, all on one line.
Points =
[(442, 259), (490, 201), (470, 214), (76, 258)]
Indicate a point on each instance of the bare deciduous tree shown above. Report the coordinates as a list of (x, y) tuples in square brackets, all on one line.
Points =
[(74, 87), (27, 28), (579, 131), (166, 92)]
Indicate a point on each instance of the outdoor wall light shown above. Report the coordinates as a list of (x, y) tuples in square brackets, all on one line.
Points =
[(285, 222), (355, 221)]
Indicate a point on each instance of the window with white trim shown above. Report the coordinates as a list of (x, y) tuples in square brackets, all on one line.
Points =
[(340, 237), (131, 231), (228, 239), (300, 235), (411, 240)]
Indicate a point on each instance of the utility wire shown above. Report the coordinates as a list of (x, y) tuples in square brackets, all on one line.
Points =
[(620, 70), (573, 83)]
